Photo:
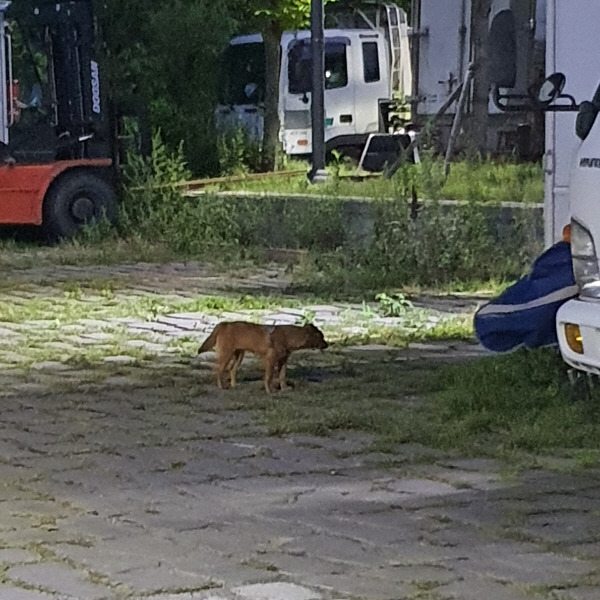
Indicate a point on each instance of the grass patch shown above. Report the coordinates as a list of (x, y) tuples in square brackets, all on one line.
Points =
[(522, 401), (508, 407), (475, 179), (69, 302)]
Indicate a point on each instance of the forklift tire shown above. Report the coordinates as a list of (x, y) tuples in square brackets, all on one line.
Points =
[(75, 200)]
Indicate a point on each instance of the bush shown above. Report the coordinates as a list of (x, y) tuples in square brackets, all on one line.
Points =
[(151, 201), (353, 246)]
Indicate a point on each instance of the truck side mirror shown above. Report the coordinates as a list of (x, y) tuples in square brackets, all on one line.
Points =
[(502, 50), (551, 89)]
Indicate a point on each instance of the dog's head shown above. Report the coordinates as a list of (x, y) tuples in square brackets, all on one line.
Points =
[(314, 337)]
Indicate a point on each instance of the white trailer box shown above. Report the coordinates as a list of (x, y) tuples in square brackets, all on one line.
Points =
[(442, 52)]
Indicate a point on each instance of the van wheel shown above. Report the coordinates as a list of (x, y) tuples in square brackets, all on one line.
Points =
[(76, 200)]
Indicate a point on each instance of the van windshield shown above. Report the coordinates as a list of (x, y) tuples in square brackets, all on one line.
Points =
[(300, 66)]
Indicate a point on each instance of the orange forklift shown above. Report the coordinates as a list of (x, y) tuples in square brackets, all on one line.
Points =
[(57, 161)]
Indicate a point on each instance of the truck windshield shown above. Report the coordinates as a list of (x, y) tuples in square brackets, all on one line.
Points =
[(243, 74), (300, 66)]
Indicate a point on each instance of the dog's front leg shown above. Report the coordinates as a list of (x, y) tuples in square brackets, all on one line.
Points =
[(282, 382)]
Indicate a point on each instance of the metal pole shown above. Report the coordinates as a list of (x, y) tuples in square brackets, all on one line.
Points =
[(318, 173)]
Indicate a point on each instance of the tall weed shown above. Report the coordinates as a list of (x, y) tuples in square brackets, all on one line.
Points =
[(151, 201), (238, 152)]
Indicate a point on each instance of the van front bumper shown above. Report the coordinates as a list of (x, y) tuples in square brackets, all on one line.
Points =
[(578, 329)]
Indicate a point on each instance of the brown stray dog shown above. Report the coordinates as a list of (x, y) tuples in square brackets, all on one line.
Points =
[(272, 343)]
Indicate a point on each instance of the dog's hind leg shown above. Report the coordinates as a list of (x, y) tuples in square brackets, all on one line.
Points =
[(223, 361), (282, 368), (234, 363)]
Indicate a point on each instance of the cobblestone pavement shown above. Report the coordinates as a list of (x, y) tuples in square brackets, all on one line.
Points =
[(115, 487)]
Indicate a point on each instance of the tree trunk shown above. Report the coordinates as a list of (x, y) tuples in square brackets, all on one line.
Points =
[(270, 144), (478, 122)]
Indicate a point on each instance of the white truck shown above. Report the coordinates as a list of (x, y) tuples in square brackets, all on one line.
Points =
[(367, 71), (576, 195), (572, 167)]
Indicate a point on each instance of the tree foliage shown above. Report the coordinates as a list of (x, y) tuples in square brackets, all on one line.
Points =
[(166, 56)]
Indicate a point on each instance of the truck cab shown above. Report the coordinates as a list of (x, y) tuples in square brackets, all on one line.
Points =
[(578, 320), (367, 76)]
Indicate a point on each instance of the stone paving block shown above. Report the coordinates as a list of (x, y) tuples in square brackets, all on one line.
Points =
[(464, 479), (275, 591), (564, 503), (589, 551), (80, 340), (280, 318), (59, 578), (362, 584), (143, 326), (577, 593), (476, 588), (185, 323), (12, 358), (184, 596), (9, 334), (318, 570), (423, 576), (13, 556), (122, 550), (572, 528), (122, 359), (152, 580), (8, 592), (473, 513), (335, 555), (528, 568), (50, 365), (148, 346)]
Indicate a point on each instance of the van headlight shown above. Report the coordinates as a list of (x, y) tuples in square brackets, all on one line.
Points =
[(585, 261)]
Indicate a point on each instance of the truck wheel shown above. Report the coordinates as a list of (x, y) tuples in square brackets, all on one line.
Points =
[(75, 200)]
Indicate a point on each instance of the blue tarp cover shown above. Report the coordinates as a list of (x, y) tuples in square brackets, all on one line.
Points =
[(525, 314)]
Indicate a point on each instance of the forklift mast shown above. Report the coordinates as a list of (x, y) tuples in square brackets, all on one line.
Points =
[(60, 38)]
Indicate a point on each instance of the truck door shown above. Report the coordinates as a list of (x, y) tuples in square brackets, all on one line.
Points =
[(296, 94), (372, 72), (573, 46)]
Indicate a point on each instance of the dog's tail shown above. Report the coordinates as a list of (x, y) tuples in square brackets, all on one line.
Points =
[(210, 341)]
